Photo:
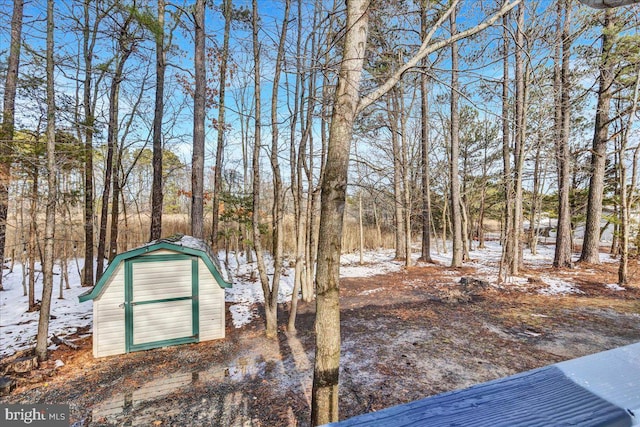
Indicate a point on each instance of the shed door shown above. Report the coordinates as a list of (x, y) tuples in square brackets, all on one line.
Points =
[(161, 301)]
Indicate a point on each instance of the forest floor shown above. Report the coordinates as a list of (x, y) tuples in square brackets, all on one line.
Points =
[(405, 335)]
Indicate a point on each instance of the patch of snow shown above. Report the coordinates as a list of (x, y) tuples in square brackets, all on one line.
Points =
[(18, 328), (558, 287), (615, 287), (242, 314), (373, 263), (371, 291)]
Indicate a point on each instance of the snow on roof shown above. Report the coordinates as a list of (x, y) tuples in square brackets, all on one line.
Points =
[(193, 243)]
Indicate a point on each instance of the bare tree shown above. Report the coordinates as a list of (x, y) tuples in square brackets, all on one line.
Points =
[(125, 47), (199, 95), (324, 405), (158, 115), (227, 9), (627, 188), (518, 148), (426, 144), (454, 149), (6, 129), (49, 233), (507, 243)]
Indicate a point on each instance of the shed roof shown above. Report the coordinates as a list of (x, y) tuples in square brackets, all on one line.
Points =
[(180, 243)]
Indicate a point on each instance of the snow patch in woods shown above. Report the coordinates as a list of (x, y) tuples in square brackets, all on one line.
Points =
[(371, 291), (373, 263), (18, 327), (614, 287), (558, 287), (241, 314)]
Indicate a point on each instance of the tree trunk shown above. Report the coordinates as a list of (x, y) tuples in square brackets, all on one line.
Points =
[(454, 149), (507, 244), (562, 256), (112, 163), (277, 209), (8, 119), (88, 44), (535, 195), (518, 151), (324, 404), (49, 231), (394, 110), (33, 233), (406, 178), (197, 161), (426, 144), (591, 243), (298, 163), (158, 115), (626, 190), (269, 308), (217, 190)]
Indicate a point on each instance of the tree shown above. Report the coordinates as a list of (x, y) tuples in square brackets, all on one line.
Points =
[(197, 162), (563, 250), (324, 404), (507, 243), (454, 149), (126, 45), (49, 233), (158, 115), (227, 9), (426, 145), (591, 243), (7, 127), (347, 104), (87, 126), (518, 149)]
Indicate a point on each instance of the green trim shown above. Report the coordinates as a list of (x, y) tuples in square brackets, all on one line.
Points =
[(129, 303), (195, 301), (128, 309), (137, 253), (161, 300), (162, 343)]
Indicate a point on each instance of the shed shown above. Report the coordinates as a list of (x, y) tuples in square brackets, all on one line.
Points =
[(167, 292)]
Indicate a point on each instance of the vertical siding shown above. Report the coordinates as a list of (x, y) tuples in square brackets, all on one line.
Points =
[(161, 279), (161, 321), (212, 307), (108, 317)]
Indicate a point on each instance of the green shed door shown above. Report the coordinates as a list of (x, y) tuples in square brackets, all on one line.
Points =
[(161, 301)]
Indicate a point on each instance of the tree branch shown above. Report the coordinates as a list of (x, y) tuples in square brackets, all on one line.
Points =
[(426, 49)]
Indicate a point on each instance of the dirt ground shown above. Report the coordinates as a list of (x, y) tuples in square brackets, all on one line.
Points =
[(405, 336)]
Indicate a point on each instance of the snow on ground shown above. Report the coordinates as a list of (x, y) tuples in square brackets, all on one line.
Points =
[(614, 287), (373, 263), (558, 287), (18, 328)]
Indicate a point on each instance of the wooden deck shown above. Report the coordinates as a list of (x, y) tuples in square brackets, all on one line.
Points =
[(597, 390)]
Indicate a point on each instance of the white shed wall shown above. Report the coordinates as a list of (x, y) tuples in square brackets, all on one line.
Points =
[(108, 317), (212, 309)]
